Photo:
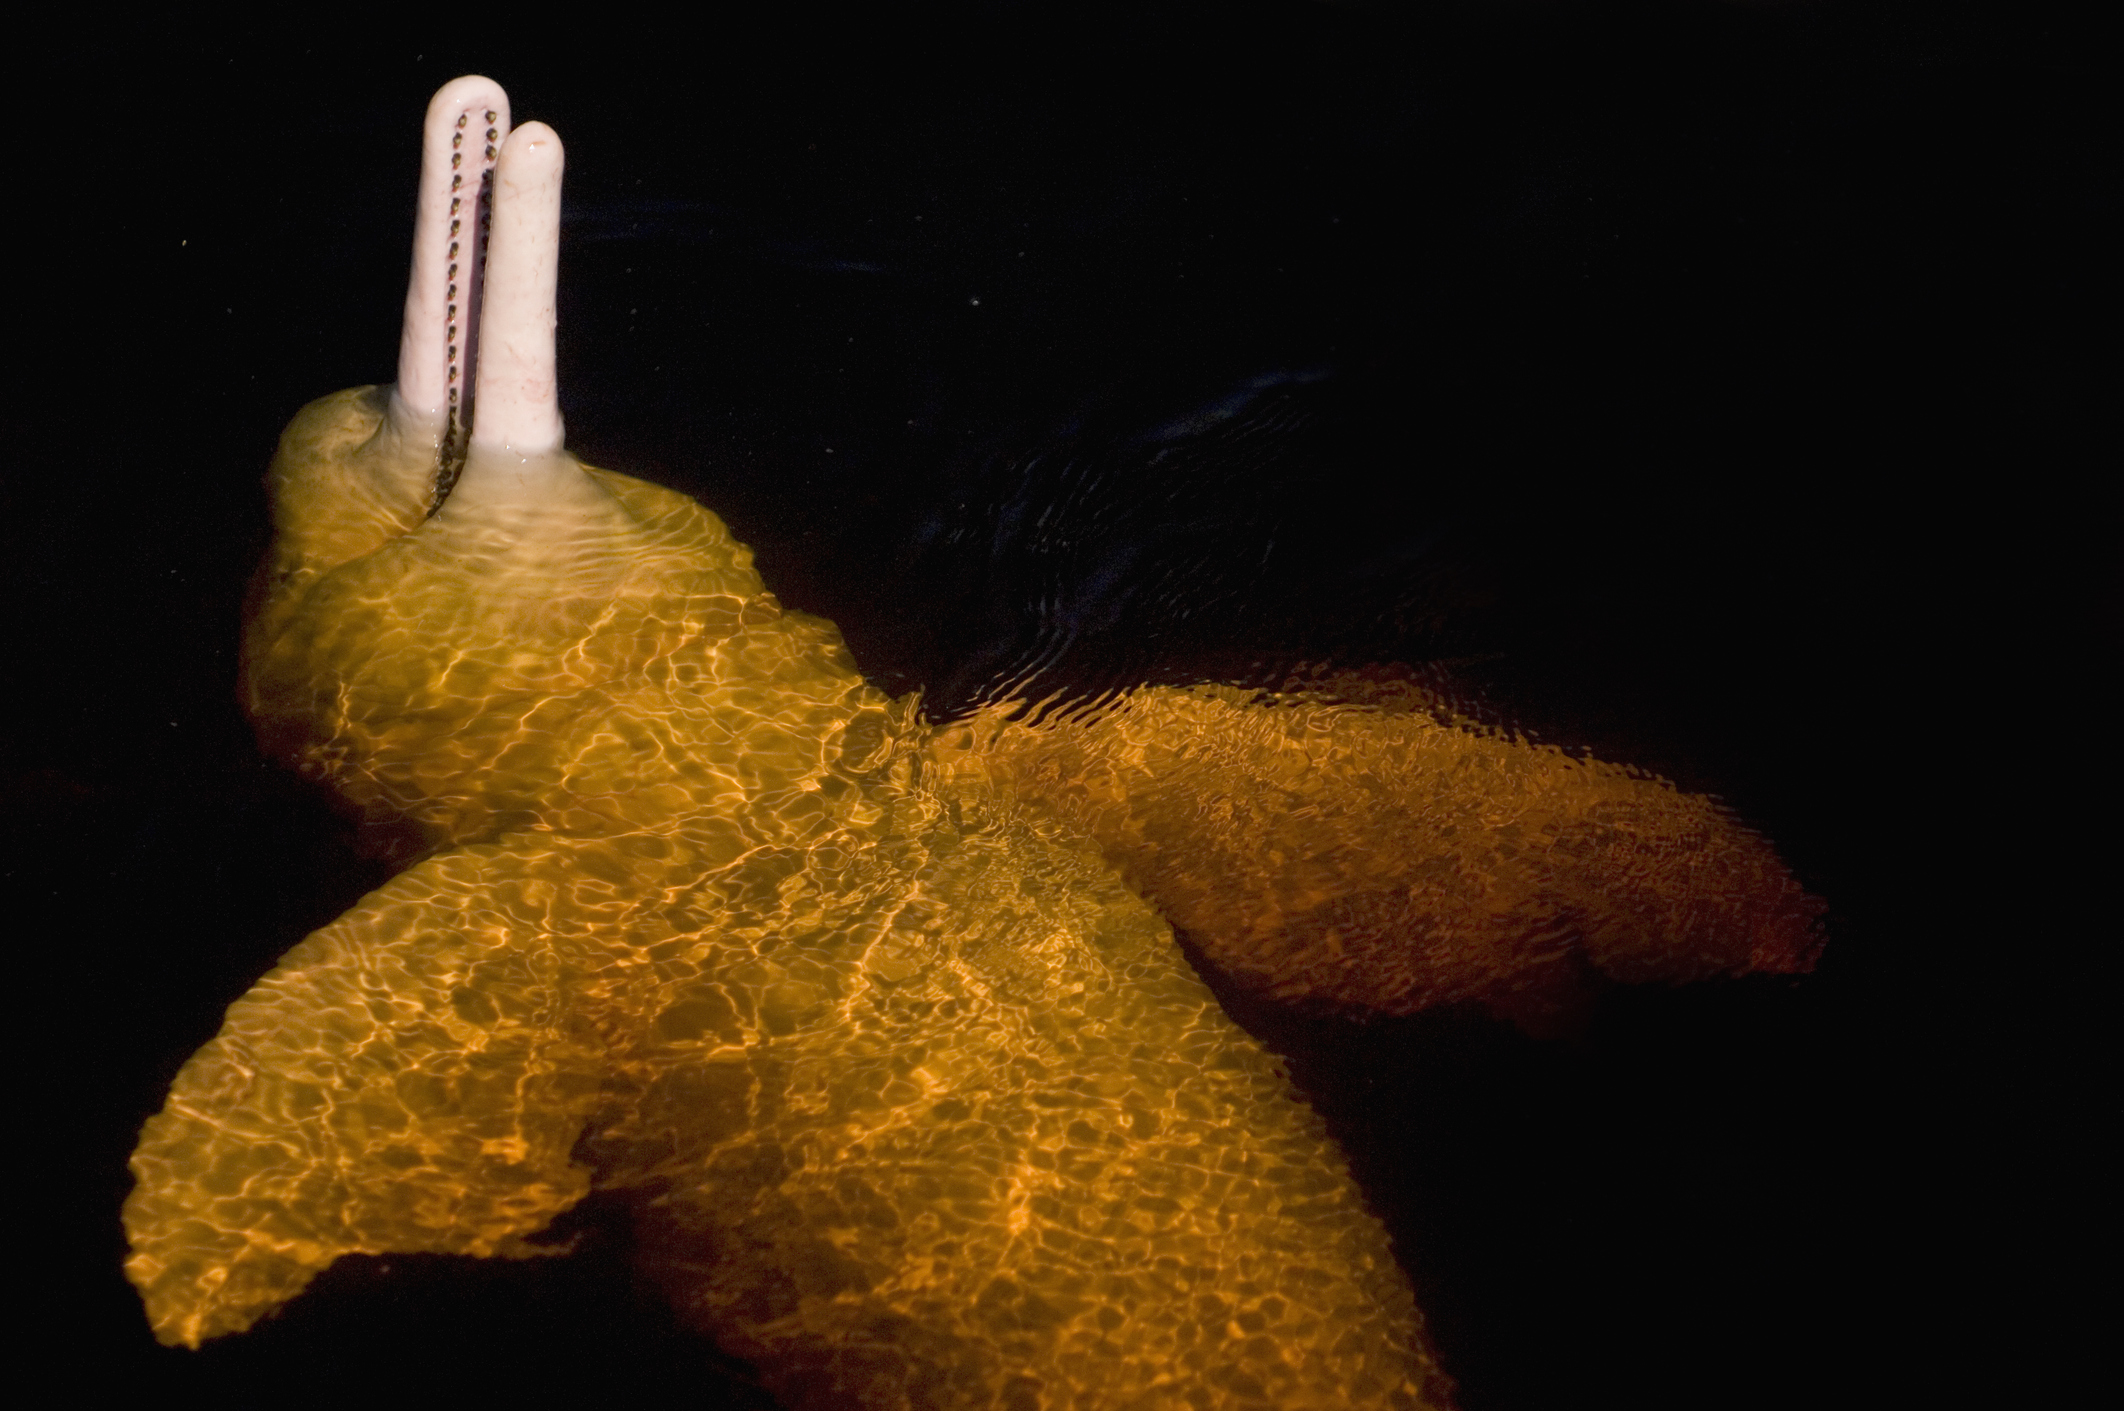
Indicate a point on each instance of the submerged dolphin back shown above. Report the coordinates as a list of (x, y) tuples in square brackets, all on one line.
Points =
[(920, 1103)]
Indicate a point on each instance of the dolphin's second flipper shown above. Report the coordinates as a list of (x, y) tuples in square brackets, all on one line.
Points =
[(1364, 849)]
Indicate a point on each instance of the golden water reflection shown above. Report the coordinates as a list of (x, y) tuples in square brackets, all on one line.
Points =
[(883, 1026)]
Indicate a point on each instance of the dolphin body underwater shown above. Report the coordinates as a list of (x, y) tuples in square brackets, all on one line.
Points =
[(880, 1024)]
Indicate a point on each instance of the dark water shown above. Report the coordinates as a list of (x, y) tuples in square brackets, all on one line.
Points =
[(1708, 386)]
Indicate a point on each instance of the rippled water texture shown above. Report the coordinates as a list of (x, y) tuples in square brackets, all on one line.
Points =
[(882, 1025)]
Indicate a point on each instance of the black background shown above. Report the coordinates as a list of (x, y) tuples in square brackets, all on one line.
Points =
[(1713, 385)]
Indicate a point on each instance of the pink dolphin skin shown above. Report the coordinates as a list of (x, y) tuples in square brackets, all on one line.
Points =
[(918, 1099), (921, 1105), (479, 320)]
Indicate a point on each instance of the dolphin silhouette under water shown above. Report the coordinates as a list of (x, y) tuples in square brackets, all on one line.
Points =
[(879, 1024)]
